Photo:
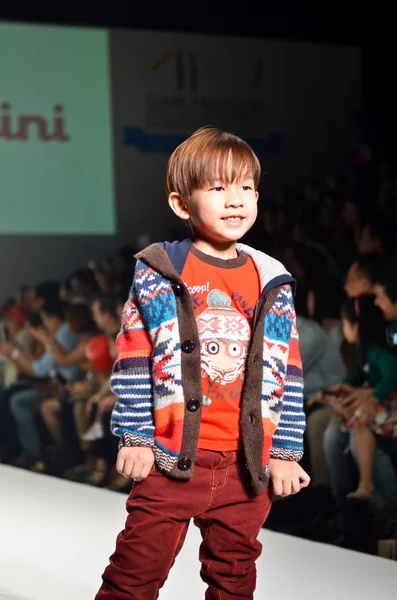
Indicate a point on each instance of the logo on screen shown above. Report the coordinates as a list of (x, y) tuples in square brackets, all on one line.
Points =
[(28, 126)]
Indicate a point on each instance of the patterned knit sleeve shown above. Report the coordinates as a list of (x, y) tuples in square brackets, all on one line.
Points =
[(288, 438), (131, 380)]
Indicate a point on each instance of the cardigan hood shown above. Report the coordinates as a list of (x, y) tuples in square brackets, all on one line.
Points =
[(272, 273)]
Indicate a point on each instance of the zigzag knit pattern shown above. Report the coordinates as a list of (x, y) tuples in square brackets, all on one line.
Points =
[(147, 377), (282, 384)]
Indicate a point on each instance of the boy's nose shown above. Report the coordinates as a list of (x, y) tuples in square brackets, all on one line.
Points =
[(234, 200)]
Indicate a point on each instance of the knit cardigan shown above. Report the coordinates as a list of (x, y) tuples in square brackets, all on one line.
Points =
[(157, 375)]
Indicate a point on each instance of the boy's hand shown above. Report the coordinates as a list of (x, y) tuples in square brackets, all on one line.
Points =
[(287, 477), (135, 462)]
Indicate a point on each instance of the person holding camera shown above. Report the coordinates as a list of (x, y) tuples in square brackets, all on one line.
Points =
[(53, 330)]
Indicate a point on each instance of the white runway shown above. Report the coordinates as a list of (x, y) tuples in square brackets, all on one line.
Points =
[(56, 537)]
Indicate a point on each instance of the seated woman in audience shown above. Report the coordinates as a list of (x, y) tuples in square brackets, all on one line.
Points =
[(106, 312), (68, 410), (376, 376), (377, 236), (102, 448), (80, 321), (65, 291), (304, 263), (24, 298), (340, 446), (100, 353), (13, 329), (360, 274), (46, 292), (324, 301), (359, 473), (83, 288), (98, 409), (23, 402), (322, 367), (111, 282)]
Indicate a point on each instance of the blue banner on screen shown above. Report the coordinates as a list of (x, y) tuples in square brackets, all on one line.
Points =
[(162, 142)]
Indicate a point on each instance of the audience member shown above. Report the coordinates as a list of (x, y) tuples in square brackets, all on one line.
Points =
[(322, 363), (106, 313), (79, 319), (359, 277), (21, 402), (377, 236), (83, 288), (324, 301), (309, 234), (323, 367), (377, 367), (304, 263), (13, 322), (101, 354), (384, 280), (376, 374), (24, 297), (47, 291)]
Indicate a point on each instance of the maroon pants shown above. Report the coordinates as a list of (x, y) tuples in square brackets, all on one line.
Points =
[(159, 512)]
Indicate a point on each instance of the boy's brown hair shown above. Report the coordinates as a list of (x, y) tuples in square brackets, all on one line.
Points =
[(210, 155)]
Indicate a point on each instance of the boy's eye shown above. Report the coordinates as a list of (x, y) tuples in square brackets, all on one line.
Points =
[(246, 188), (218, 188)]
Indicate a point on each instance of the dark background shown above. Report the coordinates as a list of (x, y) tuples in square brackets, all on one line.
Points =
[(371, 27)]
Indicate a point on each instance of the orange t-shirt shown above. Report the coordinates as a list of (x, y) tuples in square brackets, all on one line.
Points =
[(224, 294)]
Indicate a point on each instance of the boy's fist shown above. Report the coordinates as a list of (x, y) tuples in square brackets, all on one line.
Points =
[(288, 477), (135, 462)]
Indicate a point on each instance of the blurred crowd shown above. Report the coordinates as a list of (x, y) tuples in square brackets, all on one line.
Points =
[(57, 349), (336, 237)]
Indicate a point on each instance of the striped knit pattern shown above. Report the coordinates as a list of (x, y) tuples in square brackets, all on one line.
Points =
[(147, 377), (131, 378), (282, 384)]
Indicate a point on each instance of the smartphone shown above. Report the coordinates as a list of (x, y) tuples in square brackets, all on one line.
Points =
[(4, 333), (391, 334)]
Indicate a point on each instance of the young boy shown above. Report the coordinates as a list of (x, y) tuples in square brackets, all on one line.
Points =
[(208, 383)]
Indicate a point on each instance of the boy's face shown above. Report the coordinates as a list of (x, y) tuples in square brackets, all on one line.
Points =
[(221, 213)]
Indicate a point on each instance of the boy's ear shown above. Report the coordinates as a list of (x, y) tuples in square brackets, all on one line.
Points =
[(179, 206)]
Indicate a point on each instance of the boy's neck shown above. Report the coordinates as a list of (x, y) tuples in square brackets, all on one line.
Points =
[(225, 251)]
